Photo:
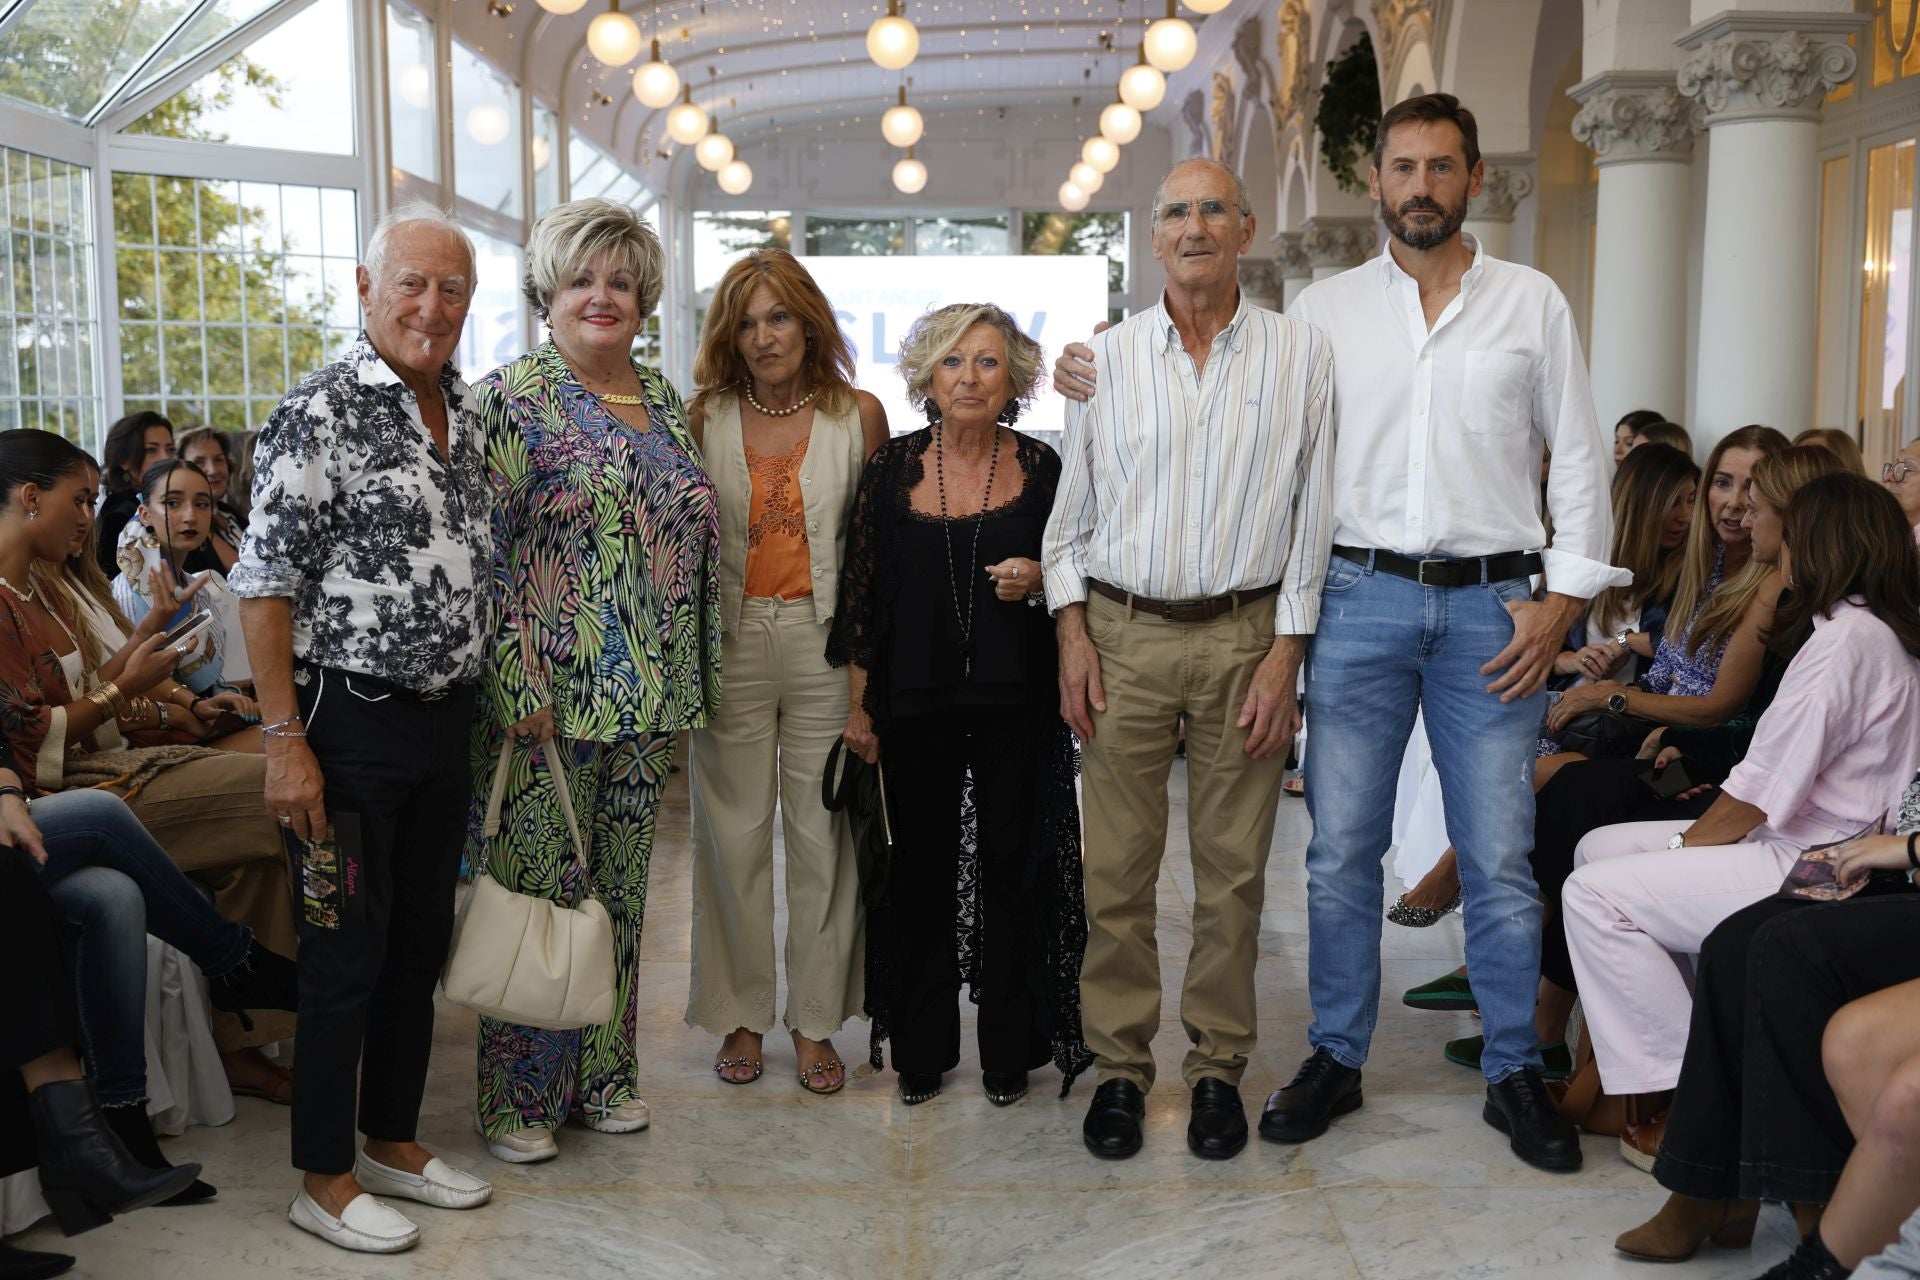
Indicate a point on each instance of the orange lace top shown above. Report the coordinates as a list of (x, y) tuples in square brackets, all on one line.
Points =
[(777, 557)]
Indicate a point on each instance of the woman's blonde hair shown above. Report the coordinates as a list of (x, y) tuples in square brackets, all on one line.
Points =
[(718, 366), (937, 332), (1651, 479), (1721, 612), (569, 236), (1842, 445)]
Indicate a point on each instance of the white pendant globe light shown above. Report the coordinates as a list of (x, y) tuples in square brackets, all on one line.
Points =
[(1072, 198), (909, 175), (488, 125), (902, 125), (1119, 123), (1207, 6), (1100, 153), (1086, 177), (1142, 86), (687, 122), (613, 37), (715, 151), (563, 7), (1171, 42), (735, 178), (542, 153), (416, 86), (656, 84), (893, 42)]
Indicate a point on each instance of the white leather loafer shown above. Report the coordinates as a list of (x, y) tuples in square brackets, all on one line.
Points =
[(367, 1226), (519, 1146), (439, 1184), (628, 1117)]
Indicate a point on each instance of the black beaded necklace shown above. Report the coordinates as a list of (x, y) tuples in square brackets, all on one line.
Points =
[(965, 617)]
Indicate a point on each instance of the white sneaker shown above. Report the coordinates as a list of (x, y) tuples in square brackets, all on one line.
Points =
[(439, 1184), (367, 1226), (629, 1117), (520, 1146)]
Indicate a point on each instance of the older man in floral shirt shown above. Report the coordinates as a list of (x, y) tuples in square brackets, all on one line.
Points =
[(364, 576)]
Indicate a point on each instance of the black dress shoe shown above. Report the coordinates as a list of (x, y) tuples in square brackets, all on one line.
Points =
[(1218, 1130), (1520, 1108), (1113, 1123), (25, 1264), (1322, 1089), (1811, 1261)]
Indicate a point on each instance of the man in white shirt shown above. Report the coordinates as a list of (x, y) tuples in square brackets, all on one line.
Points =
[(1184, 558)]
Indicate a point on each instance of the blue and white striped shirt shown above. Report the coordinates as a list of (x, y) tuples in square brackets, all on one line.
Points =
[(1182, 484)]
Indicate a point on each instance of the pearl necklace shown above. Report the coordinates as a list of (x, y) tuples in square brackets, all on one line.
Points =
[(25, 597), (747, 385)]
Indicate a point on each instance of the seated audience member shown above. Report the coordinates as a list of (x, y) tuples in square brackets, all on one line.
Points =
[(1842, 734), (207, 449), (1873, 1062), (1842, 445), (134, 443), (1671, 434), (205, 808), (1902, 478), (48, 1115), (1628, 426)]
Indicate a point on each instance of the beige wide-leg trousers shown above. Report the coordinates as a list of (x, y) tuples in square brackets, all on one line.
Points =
[(1153, 672), (782, 709)]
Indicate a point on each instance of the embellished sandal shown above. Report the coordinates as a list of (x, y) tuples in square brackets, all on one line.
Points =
[(1404, 913), (917, 1087), (1004, 1088), (821, 1071), (723, 1065)]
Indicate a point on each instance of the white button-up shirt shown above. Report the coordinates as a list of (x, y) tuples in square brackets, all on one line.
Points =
[(1440, 430), (1180, 483)]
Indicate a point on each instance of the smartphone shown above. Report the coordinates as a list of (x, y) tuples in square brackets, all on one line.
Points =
[(1668, 782), (190, 630)]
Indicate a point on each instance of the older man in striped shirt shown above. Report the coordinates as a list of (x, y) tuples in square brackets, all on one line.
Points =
[(1183, 560)]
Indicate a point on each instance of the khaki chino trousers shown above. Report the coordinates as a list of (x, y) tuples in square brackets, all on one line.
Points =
[(783, 708), (1154, 672)]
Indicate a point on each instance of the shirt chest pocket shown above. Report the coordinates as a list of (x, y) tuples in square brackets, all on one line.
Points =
[(1498, 399)]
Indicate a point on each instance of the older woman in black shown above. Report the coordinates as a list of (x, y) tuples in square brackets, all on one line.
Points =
[(954, 672)]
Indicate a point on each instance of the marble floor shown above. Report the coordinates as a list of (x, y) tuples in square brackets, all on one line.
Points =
[(764, 1180)]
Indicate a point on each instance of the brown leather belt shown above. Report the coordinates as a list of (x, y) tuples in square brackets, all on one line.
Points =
[(1182, 610)]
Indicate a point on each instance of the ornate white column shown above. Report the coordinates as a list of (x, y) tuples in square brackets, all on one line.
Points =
[(1296, 272), (1641, 132), (1762, 78), (1260, 281), (1332, 245), (1509, 180)]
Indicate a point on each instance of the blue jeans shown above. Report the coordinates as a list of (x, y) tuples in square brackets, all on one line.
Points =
[(114, 885), (1386, 647)]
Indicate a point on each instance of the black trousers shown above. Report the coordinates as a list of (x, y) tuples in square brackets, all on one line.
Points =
[(1753, 1116), (1582, 797), (40, 1014), (375, 915), (927, 760)]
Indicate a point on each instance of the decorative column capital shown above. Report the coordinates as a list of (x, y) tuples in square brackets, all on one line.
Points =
[(1260, 277), (1767, 66), (1290, 256), (1631, 116), (1508, 181), (1338, 242)]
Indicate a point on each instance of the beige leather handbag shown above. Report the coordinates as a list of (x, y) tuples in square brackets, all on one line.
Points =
[(535, 962)]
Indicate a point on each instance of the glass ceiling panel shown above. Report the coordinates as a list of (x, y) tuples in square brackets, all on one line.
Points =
[(212, 22), (70, 55)]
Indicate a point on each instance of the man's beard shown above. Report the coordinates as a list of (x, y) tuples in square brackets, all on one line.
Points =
[(1426, 235)]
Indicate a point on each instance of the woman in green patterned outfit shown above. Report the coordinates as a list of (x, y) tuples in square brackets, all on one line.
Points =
[(606, 533)]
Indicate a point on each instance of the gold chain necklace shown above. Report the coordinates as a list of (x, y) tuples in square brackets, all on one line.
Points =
[(747, 385), (607, 397)]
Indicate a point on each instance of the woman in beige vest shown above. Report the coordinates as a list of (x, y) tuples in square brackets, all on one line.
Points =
[(785, 435)]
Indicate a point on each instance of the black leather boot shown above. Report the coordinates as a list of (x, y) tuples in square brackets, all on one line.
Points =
[(1811, 1261), (264, 980), (135, 1131), (25, 1264), (86, 1174)]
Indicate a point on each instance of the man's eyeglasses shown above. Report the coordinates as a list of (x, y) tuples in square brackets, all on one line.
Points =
[(1897, 472), (1175, 213)]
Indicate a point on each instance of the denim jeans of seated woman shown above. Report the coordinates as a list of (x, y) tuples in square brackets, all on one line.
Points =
[(1385, 648), (114, 885)]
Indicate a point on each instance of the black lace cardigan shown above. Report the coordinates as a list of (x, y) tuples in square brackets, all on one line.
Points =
[(1053, 893)]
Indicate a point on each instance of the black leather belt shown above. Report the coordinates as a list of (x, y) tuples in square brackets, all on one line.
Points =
[(1438, 571), (1182, 610)]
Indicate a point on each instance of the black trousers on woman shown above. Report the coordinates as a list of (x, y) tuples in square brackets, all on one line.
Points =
[(1582, 797), (1753, 1117), (39, 1014), (927, 760)]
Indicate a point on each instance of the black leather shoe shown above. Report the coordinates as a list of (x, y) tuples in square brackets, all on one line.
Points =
[(1322, 1089), (1113, 1125), (86, 1174), (1520, 1108), (1811, 1261), (264, 980), (25, 1264), (1218, 1130), (1004, 1088), (135, 1131)]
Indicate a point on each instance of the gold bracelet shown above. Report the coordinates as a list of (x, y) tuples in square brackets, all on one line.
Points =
[(115, 699), (99, 699)]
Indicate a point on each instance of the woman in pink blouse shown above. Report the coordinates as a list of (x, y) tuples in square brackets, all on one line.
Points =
[(1840, 737)]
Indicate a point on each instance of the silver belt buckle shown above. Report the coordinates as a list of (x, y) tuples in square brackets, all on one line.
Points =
[(1421, 573)]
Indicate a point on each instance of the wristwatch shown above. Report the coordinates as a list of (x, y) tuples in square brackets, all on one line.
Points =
[(1679, 840), (1617, 702), (1620, 638)]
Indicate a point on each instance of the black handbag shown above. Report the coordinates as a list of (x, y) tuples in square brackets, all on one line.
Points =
[(1606, 735), (860, 789)]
